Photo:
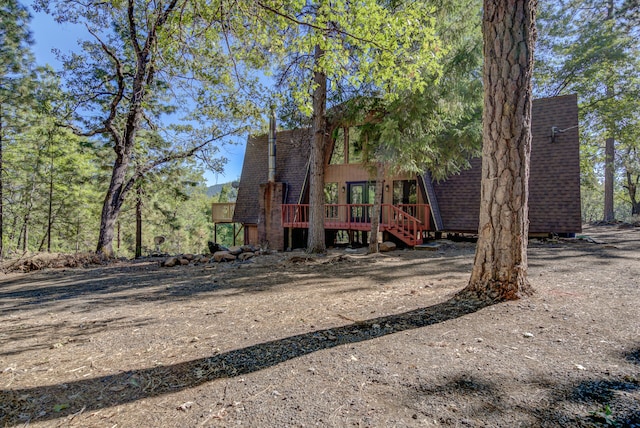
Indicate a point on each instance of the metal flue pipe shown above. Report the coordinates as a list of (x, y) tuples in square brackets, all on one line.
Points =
[(272, 145)]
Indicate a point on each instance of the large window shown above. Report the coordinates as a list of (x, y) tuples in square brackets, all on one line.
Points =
[(337, 157), (355, 146), (331, 193), (348, 146), (331, 197), (405, 192)]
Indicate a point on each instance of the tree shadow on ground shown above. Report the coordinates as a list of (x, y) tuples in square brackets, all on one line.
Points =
[(115, 286), (567, 402), (44, 402)]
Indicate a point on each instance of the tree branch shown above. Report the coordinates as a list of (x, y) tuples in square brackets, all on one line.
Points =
[(133, 31), (317, 27), (113, 106)]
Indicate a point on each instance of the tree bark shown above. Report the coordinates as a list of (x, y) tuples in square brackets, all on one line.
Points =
[(1, 186), (316, 239), (632, 189), (500, 265), (374, 245), (139, 221), (111, 206), (609, 156), (50, 210)]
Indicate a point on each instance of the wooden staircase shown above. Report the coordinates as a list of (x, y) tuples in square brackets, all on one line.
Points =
[(404, 226)]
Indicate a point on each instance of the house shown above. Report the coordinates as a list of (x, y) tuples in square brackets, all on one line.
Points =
[(272, 202)]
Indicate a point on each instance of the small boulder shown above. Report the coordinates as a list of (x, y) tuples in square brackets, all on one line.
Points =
[(184, 262), (188, 256), (245, 256), (203, 260), (170, 262), (247, 249), (387, 246), (236, 250), (223, 256), (214, 247)]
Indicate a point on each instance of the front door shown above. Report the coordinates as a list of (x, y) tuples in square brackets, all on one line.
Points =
[(361, 192)]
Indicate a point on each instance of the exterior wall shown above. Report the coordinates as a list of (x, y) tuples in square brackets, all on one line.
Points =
[(348, 173), (554, 181), (251, 234)]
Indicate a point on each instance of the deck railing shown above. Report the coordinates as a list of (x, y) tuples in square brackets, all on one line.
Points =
[(222, 212), (411, 217)]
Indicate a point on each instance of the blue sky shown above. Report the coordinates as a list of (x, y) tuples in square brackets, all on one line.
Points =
[(49, 34)]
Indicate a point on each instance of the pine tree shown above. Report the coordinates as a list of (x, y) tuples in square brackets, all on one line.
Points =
[(15, 62), (500, 265)]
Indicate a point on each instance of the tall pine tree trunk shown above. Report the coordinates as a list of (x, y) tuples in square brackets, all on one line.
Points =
[(374, 245), (610, 147), (139, 221), (50, 211), (1, 187), (609, 156), (500, 266), (316, 239)]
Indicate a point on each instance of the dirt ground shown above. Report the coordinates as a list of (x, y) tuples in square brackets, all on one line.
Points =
[(342, 340)]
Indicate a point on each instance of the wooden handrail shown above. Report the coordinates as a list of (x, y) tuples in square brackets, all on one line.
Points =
[(395, 218), (358, 214)]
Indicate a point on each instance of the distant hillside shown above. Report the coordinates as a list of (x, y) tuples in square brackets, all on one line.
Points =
[(217, 188)]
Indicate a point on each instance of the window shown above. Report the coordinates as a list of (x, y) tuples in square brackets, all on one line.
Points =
[(404, 192), (355, 145), (331, 193), (337, 157), (331, 197), (348, 146)]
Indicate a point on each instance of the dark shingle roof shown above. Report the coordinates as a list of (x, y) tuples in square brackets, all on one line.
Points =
[(292, 157), (554, 182)]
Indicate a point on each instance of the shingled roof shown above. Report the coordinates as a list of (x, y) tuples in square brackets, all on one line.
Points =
[(554, 181), (292, 157)]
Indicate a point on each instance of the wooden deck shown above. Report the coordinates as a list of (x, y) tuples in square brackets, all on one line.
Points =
[(407, 221), (222, 212)]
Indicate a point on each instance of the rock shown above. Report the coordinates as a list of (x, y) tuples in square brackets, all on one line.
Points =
[(236, 250), (429, 246), (387, 246), (223, 256), (527, 334), (204, 259), (247, 249), (184, 262), (245, 256), (170, 262), (188, 256), (214, 247)]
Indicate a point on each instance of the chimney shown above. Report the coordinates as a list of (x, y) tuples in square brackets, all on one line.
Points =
[(272, 145)]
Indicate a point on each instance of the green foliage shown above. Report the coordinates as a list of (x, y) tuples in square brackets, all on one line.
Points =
[(49, 192), (170, 61), (175, 206), (438, 127), (15, 38), (367, 47)]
